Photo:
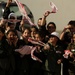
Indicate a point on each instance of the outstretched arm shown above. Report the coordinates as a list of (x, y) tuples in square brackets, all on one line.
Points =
[(44, 17), (8, 3)]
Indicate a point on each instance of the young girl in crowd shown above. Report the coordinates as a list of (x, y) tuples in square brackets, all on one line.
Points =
[(14, 43), (38, 67), (26, 60), (6, 57)]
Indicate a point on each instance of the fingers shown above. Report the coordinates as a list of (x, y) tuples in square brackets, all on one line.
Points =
[(46, 47), (46, 13)]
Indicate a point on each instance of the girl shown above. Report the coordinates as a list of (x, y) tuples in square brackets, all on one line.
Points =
[(26, 60), (5, 55), (37, 66), (15, 43)]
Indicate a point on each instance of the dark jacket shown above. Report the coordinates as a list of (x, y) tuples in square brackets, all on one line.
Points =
[(6, 56), (53, 55), (6, 12)]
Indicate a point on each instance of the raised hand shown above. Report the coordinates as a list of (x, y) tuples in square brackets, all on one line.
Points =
[(46, 13)]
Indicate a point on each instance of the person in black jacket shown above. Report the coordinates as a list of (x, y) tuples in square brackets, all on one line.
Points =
[(54, 52), (6, 56), (38, 67)]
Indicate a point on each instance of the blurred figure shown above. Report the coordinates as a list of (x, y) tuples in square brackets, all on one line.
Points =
[(65, 37), (47, 29), (10, 18), (71, 47), (67, 33), (7, 63), (15, 43), (37, 66), (26, 60), (54, 53)]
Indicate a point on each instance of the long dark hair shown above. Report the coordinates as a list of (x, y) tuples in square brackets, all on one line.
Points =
[(3, 31)]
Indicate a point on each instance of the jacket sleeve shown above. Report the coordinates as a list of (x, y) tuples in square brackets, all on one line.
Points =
[(6, 12)]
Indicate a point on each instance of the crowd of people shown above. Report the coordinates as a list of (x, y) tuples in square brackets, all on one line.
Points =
[(55, 52)]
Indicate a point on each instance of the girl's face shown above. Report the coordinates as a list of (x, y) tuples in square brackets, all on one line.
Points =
[(37, 37), (26, 34), (53, 39), (33, 32), (1, 35), (11, 36)]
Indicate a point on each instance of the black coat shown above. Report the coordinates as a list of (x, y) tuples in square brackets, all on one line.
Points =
[(6, 56), (53, 55)]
